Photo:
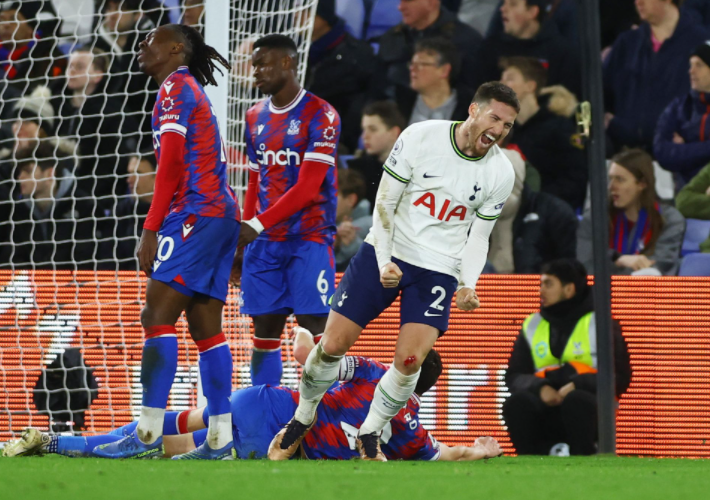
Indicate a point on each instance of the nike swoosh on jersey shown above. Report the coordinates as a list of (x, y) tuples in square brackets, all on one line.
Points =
[(428, 315), (427, 176), (168, 87)]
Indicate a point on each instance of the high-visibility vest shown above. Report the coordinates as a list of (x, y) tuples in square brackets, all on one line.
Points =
[(580, 351)]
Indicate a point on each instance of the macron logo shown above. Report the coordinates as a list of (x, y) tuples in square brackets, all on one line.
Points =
[(330, 115), (187, 229), (168, 87), (259, 129)]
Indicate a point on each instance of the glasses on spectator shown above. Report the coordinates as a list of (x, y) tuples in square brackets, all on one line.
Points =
[(417, 64)]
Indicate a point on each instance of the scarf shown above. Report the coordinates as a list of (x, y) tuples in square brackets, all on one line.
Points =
[(8, 56), (629, 238)]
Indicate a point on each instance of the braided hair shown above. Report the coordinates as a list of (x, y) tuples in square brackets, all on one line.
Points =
[(200, 56)]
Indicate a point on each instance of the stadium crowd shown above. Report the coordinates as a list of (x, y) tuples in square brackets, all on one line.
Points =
[(76, 165)]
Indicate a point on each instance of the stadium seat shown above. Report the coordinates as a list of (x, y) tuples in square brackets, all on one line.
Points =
[(353, 12), (696, 231), (383, 16), (695, 264)]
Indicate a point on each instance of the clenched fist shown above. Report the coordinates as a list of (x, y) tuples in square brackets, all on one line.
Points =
[(390, 275), (466, 299)]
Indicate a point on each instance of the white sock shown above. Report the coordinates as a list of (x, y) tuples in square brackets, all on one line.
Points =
[(319, 373), (150, 424), (219, 433), (391, 395)]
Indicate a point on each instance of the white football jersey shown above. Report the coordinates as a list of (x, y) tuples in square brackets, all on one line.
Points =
[(445, 191)]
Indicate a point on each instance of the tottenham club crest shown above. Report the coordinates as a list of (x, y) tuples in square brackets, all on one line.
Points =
[(294, 128), (168, 104), (329, 133)]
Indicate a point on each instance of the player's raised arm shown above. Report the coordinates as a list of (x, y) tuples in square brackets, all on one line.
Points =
[(475, 252)]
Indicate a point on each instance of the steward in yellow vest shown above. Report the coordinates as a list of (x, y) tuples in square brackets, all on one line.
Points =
[(552, 370)]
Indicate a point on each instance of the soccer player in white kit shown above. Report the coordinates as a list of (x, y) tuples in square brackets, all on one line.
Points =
[(445, 186)]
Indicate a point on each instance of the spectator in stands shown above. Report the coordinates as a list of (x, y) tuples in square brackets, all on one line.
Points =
[(52, 223), (381, 125), (549, 141), (477, 13), (425, 19), (435, 94), (552, 370), (645, 237), (646, 69), (124, 26), (693, 201), (131, 211), (526, 34), (534, 228), (93, 119), (342, 70), (353, 216), (193, 13), (26, 59), (682, 140)]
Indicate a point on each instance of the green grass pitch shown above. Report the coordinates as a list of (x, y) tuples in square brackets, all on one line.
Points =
[(529, 478)]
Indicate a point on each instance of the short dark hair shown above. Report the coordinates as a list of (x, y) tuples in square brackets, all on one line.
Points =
[(431, 371), (496, 91), (446, 52), (352, 182), (42, 154), (276, 41), (544, 6), (567, 271), (531, 69), (125, 5), (149, 156), (388, 113)]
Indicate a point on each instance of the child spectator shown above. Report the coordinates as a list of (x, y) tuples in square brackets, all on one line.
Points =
[(644, 236), (381, 125), (353, 216)]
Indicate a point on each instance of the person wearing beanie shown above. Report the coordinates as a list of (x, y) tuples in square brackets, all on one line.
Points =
[(527, 32), (552, 369), (682, 140), (342, 70), (28, 50), (646, 69), (34, 118)]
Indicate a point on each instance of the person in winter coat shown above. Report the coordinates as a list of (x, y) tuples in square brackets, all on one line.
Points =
[(693, 201), (528, 33), (549, 141), (645, 237), (682, 140), (646, 69), (552, 370)]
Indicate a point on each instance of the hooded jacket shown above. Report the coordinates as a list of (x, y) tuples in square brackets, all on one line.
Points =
[(563, 317), (688, 117)]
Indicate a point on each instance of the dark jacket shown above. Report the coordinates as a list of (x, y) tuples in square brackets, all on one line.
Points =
[(545, 229), (700, 9), (639, 83), (688, 117), (136, 90), (97, 128), (371, 167), (345, 72), (548, 44), (550, 142), (563, 317), (61, 237), (130, 216), (407, 98), (397, 49)]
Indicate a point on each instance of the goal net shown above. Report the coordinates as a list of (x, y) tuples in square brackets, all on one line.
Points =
[(76, 176)]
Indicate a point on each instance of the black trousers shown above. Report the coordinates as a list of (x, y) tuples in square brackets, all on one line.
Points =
[(535, 427)]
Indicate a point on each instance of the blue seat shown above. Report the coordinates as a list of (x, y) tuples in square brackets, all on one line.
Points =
[(695, 264), (383, 16), (696, 231), (353, 13)]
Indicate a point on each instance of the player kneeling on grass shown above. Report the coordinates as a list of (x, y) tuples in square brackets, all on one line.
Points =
[(260, 411), (444, 186)]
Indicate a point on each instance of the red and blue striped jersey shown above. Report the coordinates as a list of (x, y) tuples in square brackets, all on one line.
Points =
[(182, 106), (343, 410), (278, 141)]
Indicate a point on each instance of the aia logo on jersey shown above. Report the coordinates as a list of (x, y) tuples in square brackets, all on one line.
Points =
[(428, 200)]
